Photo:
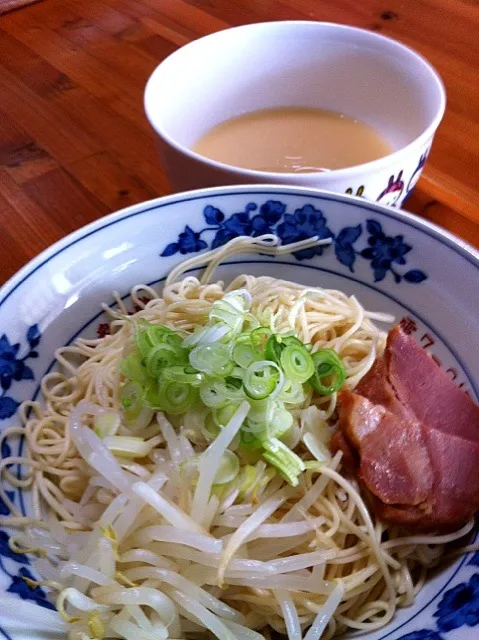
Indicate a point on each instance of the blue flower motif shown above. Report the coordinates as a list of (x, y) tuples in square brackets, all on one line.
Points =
[(189, 241), (303, 224), (20, 587), (459, 606), (272, 217), (384, 251), (10, 367), (13, 368), (269, 215), (474, 561), (213, 215)]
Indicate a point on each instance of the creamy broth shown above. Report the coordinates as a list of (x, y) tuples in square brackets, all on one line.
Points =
[(293, 140)]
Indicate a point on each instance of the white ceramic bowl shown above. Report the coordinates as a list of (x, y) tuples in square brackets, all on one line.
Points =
[(307, 64), (391, 260)]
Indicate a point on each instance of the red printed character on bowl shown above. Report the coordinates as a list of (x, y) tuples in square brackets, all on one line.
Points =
[(393, 192)]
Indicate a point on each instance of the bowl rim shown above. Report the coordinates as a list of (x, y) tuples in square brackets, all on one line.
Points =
[(302, 179), (467, 251)]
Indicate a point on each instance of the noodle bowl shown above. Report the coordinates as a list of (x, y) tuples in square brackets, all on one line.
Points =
[(150, 545)]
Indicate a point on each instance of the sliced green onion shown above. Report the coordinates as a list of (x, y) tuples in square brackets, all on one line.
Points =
[(176, 397), (141, 420), (127, 446), (185, 374), (223, 311), (260, 418), (207, 335), (106, 424), (244, 354), (281, 422), (249, 441), (223, 415), (161, 356), (132, 395), (297, 363), (159, 334), (277, 343), (143, 343), (262, 379), (228, 469), (239, 298), (329, 374), (248, 479), (259, 338), (132, 368), (213, 359), (218, 393), (287, 463), (292, 393), (152, 396), (235, 380), (209, 428)]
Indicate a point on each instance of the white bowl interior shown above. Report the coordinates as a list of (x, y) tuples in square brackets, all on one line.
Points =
[(321, 65)]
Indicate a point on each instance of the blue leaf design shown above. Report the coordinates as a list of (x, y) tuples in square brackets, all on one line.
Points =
[(27, 373), (33, 335), (213, 215), (170, 250), (349, 235), (422, 634), (415, 276), (346, 255), (6, 349), (222, 237), (8, 406), (374, 228), (379, 273), (474, 561), (343, 246)]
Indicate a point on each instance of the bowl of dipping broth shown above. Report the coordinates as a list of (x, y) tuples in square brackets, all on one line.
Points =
[(301, 103)]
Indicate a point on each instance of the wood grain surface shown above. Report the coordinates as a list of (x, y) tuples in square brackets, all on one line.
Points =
[(74, 141)]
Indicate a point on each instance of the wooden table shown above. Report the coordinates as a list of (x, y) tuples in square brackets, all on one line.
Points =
[(75, 144)]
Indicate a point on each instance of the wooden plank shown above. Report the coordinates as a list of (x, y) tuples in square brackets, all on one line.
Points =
[(81, 67), (20, 154), (132, 146), (149, 17), (423, 205), (12, 255), (53, 129), (24, 219), (112, 184), (68, 203)]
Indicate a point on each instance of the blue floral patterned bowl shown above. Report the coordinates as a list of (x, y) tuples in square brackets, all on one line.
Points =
[(390, 260)]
